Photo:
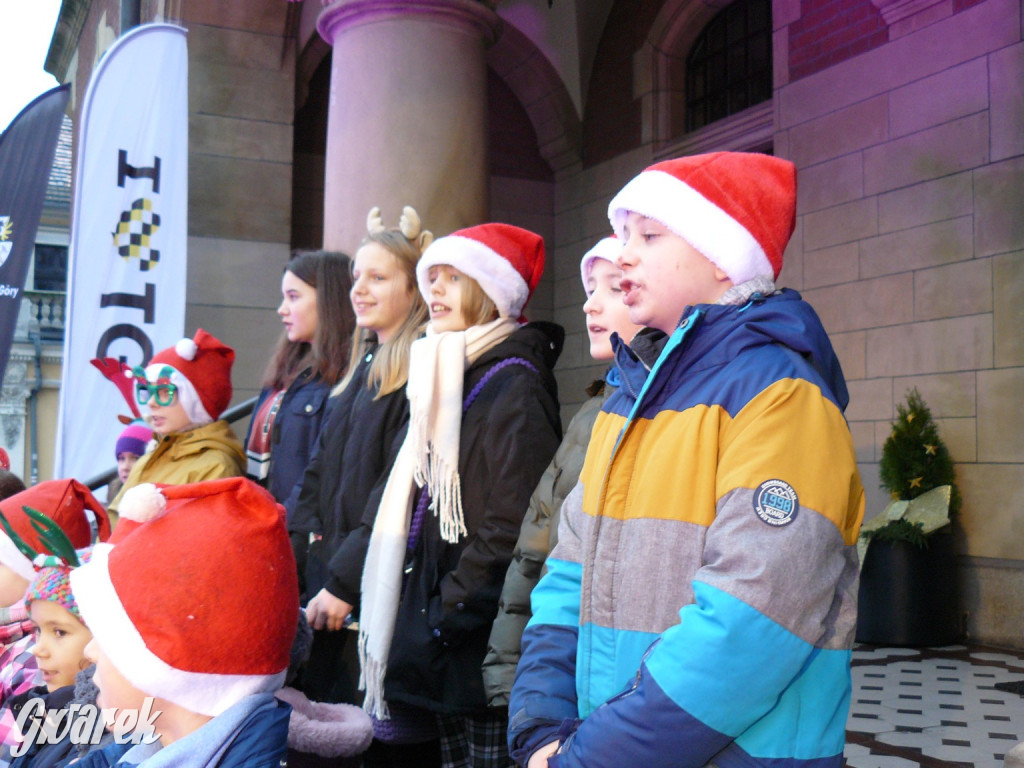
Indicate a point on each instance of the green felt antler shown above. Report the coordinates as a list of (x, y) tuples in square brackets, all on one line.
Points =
[(53, 537), (50, 534), (19, 542)]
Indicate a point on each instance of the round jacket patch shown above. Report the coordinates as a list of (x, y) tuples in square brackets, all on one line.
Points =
[(775, 502)]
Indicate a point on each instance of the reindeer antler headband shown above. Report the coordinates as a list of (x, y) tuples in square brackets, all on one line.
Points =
[(408, 224)]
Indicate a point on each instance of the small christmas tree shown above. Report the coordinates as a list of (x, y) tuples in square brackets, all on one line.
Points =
[(914, 461)]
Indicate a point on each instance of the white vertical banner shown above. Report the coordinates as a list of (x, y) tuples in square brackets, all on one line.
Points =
[(129, 228)]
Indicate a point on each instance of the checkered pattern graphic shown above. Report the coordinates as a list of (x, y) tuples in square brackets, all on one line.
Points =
[(475, 741), (134, 232), (948, 707)]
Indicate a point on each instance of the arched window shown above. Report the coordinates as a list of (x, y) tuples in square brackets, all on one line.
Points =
[(729, 67)]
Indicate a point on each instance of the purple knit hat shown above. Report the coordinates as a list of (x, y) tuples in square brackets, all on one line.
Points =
[(133, 439)]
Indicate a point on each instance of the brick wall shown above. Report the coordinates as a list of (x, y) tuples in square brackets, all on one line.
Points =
[(831, 31), (909, 244)]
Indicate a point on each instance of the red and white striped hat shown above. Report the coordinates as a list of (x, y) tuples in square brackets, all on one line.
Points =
[(198, 600), (737, 208)]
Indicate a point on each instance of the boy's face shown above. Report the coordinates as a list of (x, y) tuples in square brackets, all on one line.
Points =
[(12, 586), (125, 462), (605, 311), (60, 643), (115, 690), (166, 419), (662, 274)]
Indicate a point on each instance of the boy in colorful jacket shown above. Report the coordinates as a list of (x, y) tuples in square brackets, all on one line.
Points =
[(700, 604)]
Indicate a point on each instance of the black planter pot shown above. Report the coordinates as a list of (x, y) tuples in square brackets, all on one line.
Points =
[(908, 596)]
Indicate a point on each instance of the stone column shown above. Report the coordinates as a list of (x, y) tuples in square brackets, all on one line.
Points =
[(407, 117)]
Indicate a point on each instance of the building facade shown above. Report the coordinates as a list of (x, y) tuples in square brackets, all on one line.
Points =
[(905, 119)]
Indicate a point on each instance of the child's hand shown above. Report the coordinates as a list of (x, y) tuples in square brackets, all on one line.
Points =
[(325, 611), (539, 759)]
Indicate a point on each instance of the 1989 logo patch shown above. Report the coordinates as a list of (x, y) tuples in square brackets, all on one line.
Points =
[(775, 502)]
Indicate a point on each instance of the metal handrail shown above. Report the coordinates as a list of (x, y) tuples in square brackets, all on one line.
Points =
[(231, 415)]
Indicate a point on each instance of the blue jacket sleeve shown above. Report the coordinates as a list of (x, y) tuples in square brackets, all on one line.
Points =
[(543, 699)]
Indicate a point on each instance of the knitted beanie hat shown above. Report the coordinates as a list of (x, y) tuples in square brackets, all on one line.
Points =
[(737, 208), (66, 502), (506, 261), (52, 583), (133, 439), (607, 248), (203, 365), (198, 601)]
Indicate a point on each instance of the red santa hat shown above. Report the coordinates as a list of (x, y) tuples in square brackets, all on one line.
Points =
[(606, 249), (204, 364), (506, 261), (198, 601), (66, 502), (5, 460), (737, 208)]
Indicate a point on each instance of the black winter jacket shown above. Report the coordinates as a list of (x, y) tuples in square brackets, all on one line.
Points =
[(343, 483), (295, 433), (509, 435)]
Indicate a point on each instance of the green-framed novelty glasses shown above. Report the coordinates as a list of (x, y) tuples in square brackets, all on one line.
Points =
[(162, 390)]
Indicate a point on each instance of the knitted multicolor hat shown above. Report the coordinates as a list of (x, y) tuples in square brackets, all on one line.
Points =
[(52, 583), (506, 261), (198, 601), (67, 503), (607, 248), (133, 439), (737, 208), (203, 368)]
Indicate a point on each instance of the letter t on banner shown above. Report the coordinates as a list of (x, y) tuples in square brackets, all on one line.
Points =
[(129, 234)]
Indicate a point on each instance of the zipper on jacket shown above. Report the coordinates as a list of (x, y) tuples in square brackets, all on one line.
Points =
[(631, 689)]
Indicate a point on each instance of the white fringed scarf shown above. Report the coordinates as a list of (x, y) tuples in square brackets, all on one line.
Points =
[(429, 457)]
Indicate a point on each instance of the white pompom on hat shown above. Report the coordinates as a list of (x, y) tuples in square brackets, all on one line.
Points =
[(607, 249), (506, 261), (737, 208), (197, 601), (205, 362)]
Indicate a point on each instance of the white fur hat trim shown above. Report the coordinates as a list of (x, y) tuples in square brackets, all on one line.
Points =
[(206, 693)]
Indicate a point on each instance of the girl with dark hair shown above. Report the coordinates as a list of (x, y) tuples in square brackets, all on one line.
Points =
[(310, 358)]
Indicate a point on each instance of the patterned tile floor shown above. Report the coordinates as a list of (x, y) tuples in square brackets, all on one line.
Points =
[(950, 707)]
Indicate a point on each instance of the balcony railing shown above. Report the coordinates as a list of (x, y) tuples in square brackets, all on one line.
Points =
[(45, 314)]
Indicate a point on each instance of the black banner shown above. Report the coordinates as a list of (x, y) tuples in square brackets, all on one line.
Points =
[(27, 148)]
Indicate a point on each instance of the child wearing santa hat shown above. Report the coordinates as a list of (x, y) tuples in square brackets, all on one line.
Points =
[(700, 603), (195, 607), (483, 426), (59, 649), (69, 505), (605, 314), (186, 388)]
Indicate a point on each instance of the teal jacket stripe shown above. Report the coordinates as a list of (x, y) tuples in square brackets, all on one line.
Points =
[(556, 598), (765, 659), (601, 645), (821, 697)]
